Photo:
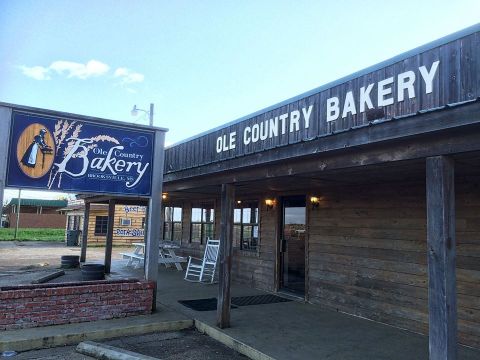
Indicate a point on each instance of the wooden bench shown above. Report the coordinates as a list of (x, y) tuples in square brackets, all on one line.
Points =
[(133, 257)]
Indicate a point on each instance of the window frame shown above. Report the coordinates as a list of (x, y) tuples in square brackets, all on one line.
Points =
[(254, 205), (203, 222), (172, 224), (103, 224)]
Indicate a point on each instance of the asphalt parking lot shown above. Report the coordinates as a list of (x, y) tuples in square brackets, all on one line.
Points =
[(185, 345)]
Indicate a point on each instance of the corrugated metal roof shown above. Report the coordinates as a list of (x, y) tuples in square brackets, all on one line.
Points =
[(38, 202)]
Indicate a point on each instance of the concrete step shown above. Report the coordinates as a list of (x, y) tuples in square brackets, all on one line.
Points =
[(70, 334)]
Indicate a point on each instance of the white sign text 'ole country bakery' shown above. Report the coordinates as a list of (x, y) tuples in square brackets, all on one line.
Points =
[(354, 102)]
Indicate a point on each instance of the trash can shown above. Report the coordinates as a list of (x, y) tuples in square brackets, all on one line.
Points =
[(72, 237)]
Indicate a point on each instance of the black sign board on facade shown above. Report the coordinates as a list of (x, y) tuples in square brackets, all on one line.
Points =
[(444, 72)]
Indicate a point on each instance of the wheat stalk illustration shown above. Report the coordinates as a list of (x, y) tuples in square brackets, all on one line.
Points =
[(61, 132), (66, 127), (70, 144)]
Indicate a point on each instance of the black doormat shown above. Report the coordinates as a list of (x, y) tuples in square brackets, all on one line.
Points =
[(258, 300), (210, 304)]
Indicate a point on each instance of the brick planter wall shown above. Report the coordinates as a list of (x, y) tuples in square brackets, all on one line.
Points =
[(27, 306)]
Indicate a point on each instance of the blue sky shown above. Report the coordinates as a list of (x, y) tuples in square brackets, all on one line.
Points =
[(202, 63)]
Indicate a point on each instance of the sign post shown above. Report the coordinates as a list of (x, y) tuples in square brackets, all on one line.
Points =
[(5, 119), (154, 231)]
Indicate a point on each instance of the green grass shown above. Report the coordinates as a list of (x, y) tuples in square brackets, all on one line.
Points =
[(33, 234)]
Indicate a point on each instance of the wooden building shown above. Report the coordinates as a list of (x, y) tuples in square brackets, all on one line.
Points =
[(362, 195), (129, 222), (35, 213)]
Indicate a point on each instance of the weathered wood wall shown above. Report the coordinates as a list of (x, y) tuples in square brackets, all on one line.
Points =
[(257, 268), (120, 213), (367, 255), (254, 268)]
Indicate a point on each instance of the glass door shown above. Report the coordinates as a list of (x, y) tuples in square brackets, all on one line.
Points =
[(292, 247)]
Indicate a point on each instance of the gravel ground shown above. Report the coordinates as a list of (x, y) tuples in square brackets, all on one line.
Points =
[(22, 262), (179, 345)]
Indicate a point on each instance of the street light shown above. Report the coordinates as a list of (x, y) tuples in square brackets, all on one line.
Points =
[(135, 111)]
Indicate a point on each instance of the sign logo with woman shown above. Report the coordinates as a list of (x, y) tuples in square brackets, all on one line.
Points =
[(35, 151)]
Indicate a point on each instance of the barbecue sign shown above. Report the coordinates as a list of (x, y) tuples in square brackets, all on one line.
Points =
[(80, 156)]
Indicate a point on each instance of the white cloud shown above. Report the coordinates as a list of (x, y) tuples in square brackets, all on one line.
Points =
[(128, 76), (78, 70), (69, 68), (92, 68), (36, 72)]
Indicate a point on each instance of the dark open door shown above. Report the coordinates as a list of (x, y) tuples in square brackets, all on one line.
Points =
[(292, 249)]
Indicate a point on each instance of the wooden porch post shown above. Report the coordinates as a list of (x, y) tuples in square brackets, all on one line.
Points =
[(109, 245), (442, 297), (225, 256), (86, 218)]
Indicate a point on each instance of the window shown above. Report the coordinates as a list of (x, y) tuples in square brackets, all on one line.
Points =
[(125, 222), (245, 226), (101, 225), (172, 224), (203, 219)]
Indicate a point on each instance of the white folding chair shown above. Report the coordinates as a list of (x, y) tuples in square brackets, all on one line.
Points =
[(199, 270)]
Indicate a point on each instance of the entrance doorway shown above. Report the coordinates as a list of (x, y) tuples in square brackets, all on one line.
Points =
[(292, 249)]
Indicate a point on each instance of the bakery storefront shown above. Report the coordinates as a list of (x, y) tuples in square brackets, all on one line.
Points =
[(362, 195)]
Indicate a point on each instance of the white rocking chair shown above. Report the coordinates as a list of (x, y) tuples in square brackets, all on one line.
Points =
[(199, 270)]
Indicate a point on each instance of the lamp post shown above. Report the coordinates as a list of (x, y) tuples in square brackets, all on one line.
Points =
[(135, 111)]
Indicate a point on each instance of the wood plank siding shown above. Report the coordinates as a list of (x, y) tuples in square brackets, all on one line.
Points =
[(366, 242), (119, 231), (456, 80), (257, 269), (367, 255), (367, 252)]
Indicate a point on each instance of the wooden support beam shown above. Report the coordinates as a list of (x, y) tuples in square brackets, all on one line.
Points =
[(109, 243), (442, 297), (225, 256), (86, 218)]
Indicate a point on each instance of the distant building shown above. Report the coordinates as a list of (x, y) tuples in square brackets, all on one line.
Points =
[(35, 213), (128, 224)]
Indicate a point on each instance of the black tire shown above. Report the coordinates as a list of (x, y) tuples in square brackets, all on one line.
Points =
[(70, 261), (93, 272)]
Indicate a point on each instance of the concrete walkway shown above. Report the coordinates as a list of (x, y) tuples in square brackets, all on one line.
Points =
[(71, 334), (295, 330), (289, 330)]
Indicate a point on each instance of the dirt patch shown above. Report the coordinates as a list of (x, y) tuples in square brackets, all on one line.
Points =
[(23, 262)]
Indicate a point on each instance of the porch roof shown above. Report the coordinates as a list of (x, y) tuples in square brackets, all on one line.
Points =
[(390, 150)]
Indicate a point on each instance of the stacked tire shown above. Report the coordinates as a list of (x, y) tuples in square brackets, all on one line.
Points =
[(70, 261)]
